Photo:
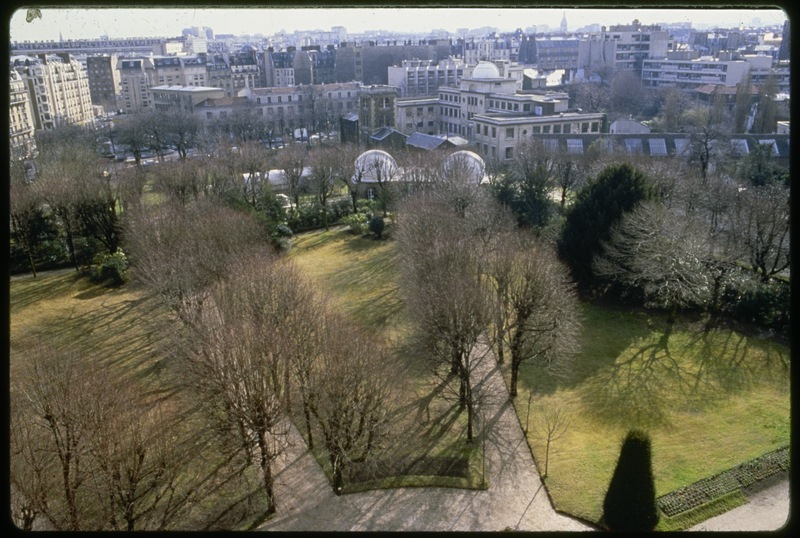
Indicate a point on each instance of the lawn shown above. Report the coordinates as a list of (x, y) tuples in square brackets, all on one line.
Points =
[(360, 276), (709, 399)]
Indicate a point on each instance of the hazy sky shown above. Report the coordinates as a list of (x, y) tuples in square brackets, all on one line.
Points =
[(158, 22)]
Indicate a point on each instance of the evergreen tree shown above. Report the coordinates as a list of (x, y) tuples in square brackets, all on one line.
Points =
[(630, 503), (600, 205)]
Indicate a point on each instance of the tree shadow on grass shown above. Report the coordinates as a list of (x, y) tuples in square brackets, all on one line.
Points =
[(648, 385)]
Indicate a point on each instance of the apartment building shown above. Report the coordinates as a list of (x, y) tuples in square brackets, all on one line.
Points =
[(143, 46), (58, 89), (183, 97), (417, 78), (680, 71), (622, 47), (136, 78), (21, 123), (556, 52), (311, 106), (104, 80), (179, 70), (686, 70)]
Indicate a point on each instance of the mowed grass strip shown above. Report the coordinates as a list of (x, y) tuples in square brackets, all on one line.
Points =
[(709, 399)]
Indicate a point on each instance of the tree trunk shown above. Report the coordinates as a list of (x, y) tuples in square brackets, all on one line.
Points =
[(337, 474), (266, 471), (512, 392), (307, 414)]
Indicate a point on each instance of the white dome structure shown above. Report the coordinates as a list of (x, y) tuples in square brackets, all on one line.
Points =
[(485, 70), (373, 165), (466, 164)]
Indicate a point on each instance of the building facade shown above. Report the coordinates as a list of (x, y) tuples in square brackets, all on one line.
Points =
[(376, 109), (416, 78), (622, 47), (417, 115), (104, 80), (136, 79), (21, 123), (58, 89)]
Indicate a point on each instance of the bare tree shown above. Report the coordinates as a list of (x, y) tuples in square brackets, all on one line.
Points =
[(183, 129), (253, 162), (537, 311), (292, 161), (235, 361), (181, 181), (179, 252), (554, 423), (58, 394), (66, 157), (351, 387), (760, 227), (445, 291), (663, 256), (24, 210), (324, 163), (350, 174)]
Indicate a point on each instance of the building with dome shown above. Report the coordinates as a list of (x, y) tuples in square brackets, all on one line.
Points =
[(488, 110)]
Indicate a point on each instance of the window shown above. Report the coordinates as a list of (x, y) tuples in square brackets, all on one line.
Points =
[(509, 153), (634, 145), (739, 146), (556, 129), (681, 146), (770, 142), (575, 146), (510, 132), (584, 127), (494, 132), (658, 147)]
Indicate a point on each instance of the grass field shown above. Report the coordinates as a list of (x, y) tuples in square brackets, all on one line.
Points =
[(710, 399)]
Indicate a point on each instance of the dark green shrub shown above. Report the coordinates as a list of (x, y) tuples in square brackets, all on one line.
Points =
[(762, 303), (376, 226), (630, 503), (112, 268)]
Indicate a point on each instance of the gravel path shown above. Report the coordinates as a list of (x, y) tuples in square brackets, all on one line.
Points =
[(515, 499), (768, 510)]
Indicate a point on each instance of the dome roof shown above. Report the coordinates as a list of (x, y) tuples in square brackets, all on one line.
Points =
[(467, 164), (370, 163), (485, 70)]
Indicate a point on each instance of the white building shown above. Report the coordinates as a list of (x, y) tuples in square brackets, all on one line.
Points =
[(58, 89), (21, 124), (416, 78)]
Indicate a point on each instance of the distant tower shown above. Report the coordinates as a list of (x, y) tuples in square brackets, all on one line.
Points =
[(564, 22)]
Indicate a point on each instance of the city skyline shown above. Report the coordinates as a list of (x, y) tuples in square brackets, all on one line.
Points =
[(84, 23)]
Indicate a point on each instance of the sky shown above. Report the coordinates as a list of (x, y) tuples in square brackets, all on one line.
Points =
[(55, 23)]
